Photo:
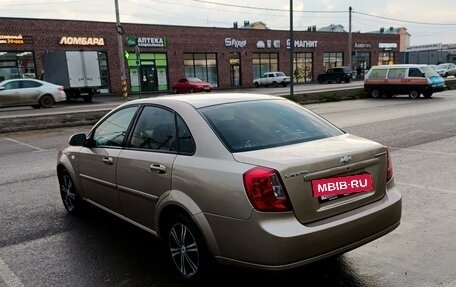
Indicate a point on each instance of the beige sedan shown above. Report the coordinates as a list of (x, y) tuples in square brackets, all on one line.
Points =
[(249, 180)]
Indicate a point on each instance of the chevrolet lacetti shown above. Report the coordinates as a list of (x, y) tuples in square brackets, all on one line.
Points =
[(250, 180)]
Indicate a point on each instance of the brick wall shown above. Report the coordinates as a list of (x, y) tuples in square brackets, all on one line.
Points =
[(181, 39)]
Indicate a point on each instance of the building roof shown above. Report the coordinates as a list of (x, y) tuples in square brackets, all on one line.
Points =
[(332, 28), (391, 30), (255, 25)]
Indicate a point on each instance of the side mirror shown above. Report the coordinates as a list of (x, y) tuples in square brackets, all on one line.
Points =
[(423, 75), (78, 139)]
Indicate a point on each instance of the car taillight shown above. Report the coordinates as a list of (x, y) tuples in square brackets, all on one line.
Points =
[(265, 190), (61, 89), (389, 166)]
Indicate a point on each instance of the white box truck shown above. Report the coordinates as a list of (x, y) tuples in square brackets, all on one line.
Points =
[(77, 71)]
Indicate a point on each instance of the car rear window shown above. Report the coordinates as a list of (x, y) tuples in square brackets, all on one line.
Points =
[(254, 125)]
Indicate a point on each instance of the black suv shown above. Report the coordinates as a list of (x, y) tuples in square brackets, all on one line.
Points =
[(337, 75)]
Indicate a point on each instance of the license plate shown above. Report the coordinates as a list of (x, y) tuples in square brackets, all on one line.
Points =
[(329, 187)]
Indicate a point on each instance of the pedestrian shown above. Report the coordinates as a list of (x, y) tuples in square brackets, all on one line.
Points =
[(358, 72)]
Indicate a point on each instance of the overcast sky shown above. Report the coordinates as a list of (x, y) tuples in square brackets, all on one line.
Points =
[(428, 22)]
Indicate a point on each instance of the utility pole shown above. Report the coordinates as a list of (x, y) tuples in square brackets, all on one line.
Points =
[(291, 51), (350, 64), (120, 51)]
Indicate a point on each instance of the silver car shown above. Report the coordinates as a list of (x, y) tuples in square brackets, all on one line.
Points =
[(30, 92), (446, 69), (250, 180)]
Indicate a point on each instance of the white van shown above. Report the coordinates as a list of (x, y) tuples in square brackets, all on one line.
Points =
[(408, 79)]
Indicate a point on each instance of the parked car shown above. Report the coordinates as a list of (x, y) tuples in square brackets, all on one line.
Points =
[(272, 79), (411, 79), (337, 75), (30, 92), (446, 69), (190, 85), (252, 180)]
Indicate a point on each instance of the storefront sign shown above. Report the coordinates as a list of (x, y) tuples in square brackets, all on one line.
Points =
[(82, 41), (303, 44), (12, 39), (358, 45), (424, 47), (268, 44), (387, 45), (147, 42), (231, 42)]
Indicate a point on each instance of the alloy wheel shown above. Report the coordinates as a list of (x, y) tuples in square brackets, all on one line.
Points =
[(68, 192), (184, 250)]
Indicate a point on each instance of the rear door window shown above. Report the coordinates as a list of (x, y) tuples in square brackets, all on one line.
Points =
[(396, 73)]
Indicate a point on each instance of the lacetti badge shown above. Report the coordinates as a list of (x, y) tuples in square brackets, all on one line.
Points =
[(82, 41), (342, 185)]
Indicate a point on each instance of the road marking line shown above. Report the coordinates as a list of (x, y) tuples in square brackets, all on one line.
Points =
[(8, 276), (24, 144), (425, 187), (423, 151), (448, 284)]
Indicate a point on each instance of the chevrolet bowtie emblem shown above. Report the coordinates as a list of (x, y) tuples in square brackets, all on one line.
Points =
[(345, 159)]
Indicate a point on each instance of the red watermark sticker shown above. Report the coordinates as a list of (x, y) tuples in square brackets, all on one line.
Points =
[(342, 185)]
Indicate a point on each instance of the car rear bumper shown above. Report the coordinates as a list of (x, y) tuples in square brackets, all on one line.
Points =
[(278, 241)]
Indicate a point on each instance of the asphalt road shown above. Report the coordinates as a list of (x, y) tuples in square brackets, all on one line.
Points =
[(40, 245)]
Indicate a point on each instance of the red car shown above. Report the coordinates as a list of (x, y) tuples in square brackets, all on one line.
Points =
[(190, 85)]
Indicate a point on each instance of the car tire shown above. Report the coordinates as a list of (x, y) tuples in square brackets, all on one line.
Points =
[(46, 101), (87, 99), (192, 90), (284, 84), (320, 81), (275, 84), (257, 85), (375, 93), (186, 248), (414, 94), (71, 199), (348, 80), (175, 91)]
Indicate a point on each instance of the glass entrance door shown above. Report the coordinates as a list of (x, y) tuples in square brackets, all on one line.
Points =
[(148, 78), (235, 69)]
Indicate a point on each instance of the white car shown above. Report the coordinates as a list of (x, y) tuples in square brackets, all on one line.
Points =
[(30, 92), (446, 69)]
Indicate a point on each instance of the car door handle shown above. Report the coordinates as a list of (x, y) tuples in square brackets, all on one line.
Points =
[(158, 168), (108, 160)]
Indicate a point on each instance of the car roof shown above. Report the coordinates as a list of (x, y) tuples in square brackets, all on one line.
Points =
[(204, 100), (401, 66), (24, 79)]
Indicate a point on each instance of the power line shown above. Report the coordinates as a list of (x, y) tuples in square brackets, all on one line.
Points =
[(261, 8), (405, 21)]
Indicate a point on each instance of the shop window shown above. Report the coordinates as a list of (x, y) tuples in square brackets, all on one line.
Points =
[(15, 65), (202, 66), (332, 59), (386, 58), (264, 62), (104, 71), (303, 67)]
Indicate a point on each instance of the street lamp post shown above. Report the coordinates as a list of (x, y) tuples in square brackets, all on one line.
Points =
[(119, 30)]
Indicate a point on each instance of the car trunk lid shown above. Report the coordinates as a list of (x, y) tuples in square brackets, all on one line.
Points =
[(300, 165)]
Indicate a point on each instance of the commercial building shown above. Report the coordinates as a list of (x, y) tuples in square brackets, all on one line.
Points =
[(226, 57)]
